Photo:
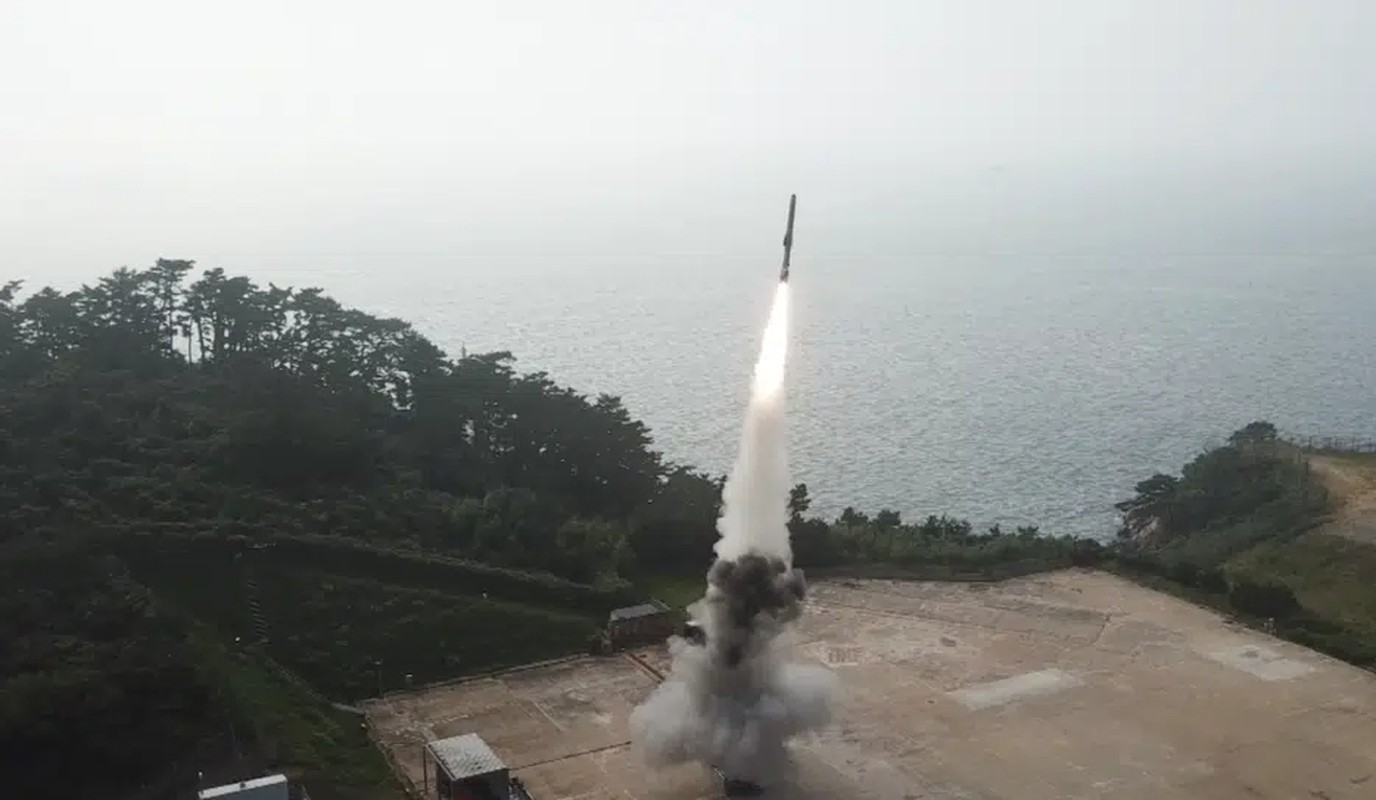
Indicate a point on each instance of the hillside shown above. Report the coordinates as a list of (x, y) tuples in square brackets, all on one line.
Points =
[(1351, 478), (228, 511), (1330, 569), (286, 503), (1267, 530), (294, 502)]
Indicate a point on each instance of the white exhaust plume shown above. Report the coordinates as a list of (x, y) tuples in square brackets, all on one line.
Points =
[(753, 503), (731, 700)]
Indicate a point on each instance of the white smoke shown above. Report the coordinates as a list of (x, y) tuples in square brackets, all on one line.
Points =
[(753, 501), (735, 701)]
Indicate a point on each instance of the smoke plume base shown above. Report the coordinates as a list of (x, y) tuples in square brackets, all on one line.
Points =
[(733, 701)]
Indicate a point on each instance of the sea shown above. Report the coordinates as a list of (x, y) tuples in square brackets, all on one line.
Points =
[(1011, 389)]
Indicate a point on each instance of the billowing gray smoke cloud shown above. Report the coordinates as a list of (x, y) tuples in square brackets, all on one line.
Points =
[(733, 701)]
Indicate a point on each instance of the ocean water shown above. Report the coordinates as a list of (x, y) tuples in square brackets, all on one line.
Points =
[(1017, 389)]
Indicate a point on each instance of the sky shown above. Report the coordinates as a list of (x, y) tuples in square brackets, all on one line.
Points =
[(637, 127)]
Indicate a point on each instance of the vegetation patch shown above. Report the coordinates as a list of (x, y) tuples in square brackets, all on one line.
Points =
[(91, 665), (293, 728), (1329, 577), (356, 638), (1237, 531)]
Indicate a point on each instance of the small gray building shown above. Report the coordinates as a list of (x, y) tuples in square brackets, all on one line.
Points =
[(646, 623), (464, 768)]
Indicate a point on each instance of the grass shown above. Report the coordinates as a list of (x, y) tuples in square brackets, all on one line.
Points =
[(676, 591), (199, 581), (334, 630), (298, 731), (1332, 577), (331, 630)]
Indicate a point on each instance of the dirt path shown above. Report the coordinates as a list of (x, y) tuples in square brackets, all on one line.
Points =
[(1352, 479)]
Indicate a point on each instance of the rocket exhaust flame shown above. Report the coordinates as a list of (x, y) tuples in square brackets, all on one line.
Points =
[(734, 701), (769, 369)]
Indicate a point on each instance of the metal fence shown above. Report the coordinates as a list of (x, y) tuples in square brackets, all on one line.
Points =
[(1334, 444)]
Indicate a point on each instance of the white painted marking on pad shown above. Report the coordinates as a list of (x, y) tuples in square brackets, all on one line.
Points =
[(1262, 662), (1028, 684)]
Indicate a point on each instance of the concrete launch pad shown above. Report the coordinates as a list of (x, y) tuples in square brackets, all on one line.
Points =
[(1070, 685)]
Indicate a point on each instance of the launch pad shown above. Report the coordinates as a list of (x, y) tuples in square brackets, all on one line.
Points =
[(1074, 684)]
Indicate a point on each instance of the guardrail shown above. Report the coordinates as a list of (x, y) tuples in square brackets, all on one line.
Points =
[(1334, 444)]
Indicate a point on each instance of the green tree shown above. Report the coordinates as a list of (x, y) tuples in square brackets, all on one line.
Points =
[(675, 529), (1259, 432), (798, 501), (9, 317), (121, 322), (17, 357), (166, 277)]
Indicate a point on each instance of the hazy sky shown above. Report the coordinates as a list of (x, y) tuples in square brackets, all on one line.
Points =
[(135, 129)]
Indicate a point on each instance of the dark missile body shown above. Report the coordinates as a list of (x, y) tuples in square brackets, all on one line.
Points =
[(788, 238)]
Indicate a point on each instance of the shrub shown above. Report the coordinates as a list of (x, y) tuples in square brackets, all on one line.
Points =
[(1263, 600)]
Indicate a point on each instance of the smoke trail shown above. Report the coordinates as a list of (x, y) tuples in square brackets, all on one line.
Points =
[(753, 508), (732, 700)]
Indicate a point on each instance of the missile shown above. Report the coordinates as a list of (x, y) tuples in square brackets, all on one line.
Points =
[(788, 238)]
